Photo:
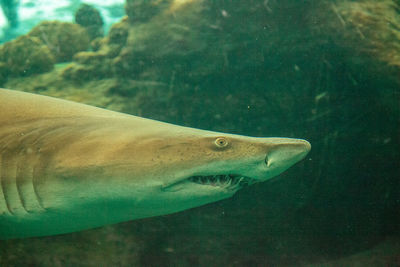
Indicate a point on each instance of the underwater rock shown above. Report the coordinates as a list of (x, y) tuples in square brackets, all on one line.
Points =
[(118, 33), (96, 43), (368, 32), (370, 26), (202, 42), (175, 37), (64, 39), (143, 10), (24, 56), (129, 88), (81, 73), (88, 66), (4, 72), (115, 40), (98, 63), (89, 17)]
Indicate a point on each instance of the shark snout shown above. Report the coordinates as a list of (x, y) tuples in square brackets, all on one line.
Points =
[(290, 150), (295, 149), (284, 153)]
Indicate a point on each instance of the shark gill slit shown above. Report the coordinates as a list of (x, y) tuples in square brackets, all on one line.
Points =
[(5, 179), (18, 190), (16, 197), (34, 173), (3, 203), (28, 170), (21, 181)]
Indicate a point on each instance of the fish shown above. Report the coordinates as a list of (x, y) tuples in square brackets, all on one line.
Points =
[(67, 167)]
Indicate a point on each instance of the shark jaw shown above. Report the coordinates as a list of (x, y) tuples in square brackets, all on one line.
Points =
[(259, 168), (228, 182)]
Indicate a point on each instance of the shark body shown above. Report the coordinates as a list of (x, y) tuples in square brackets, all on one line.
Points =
[(66, 167)]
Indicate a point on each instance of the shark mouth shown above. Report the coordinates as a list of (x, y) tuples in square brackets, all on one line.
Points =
[(230, 181)]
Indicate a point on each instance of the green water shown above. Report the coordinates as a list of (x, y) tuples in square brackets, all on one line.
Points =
[(325, 71)]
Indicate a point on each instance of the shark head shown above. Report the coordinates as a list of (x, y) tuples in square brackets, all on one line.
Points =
[(190, 170), (217, 166)]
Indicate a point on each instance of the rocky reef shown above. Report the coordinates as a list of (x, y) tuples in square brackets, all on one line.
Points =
[(64, 39), (24, 56), (373, 26), (89, 17), (197, 42), (48, 43), (142, 11), (327, 71), (98, 64)]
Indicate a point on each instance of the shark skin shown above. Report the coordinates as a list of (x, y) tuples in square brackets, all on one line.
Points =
[(66, 167)]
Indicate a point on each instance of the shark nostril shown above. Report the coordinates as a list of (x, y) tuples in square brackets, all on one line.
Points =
[(266, 160)]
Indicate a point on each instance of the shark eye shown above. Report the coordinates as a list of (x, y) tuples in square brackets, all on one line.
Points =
[(221, 142)]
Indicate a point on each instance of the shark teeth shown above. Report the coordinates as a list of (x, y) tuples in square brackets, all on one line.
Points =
[(223, 180)]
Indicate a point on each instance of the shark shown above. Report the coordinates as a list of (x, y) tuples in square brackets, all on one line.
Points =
[(67, 167)]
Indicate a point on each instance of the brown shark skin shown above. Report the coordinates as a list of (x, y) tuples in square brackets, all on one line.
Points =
[(66, 167)]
